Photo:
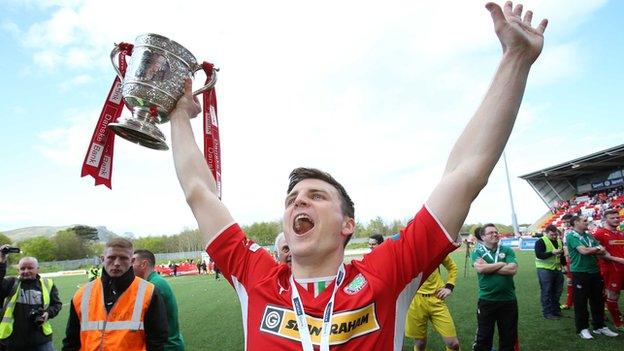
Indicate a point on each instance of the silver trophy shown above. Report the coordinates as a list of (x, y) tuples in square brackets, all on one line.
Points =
[(153, 83)]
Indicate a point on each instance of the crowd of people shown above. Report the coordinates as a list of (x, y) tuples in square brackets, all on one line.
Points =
[(594, 262)]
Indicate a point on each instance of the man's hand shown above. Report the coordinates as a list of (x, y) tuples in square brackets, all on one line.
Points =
[(515, 33), (45, 316), (3, 256), (188, 103), (557, 252), (443, 293)]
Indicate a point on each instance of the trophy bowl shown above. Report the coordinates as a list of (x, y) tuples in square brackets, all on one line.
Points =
[(152, 85)]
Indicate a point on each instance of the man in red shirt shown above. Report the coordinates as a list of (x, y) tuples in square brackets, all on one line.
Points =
[(612, 265), (360, 305)]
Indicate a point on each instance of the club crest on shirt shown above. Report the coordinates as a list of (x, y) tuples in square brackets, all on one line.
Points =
[(501, 255), (345, 325), (357, 284), (252, 246)]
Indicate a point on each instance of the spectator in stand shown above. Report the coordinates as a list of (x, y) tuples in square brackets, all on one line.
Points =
[(566, 228), (549, 259), (588, 285), (612, 264)]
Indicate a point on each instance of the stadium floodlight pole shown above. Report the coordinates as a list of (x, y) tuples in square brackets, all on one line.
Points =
[(514, 221)]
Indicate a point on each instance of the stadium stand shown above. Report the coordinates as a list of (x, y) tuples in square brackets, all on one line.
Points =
[(587, 185)]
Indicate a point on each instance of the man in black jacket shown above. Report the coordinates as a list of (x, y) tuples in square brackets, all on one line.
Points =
[(117, 277), (549, 259), (28, 302)]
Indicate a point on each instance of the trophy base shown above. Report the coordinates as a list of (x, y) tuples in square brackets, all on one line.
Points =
[(142, 132)]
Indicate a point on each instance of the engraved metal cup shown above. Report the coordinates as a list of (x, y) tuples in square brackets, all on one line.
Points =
[(153, 83)]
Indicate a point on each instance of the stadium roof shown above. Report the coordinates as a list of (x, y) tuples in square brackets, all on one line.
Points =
[(558, 182), (600, 161)]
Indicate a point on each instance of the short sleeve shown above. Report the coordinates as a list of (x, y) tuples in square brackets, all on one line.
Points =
[(239, 258), (474, 255), (511, 256), (419, 249), (599, 235), (572, 241)]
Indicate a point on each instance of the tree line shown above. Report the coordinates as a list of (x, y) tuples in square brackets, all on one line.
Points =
[(83, 242)]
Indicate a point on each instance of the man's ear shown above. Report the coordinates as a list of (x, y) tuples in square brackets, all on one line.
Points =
[(348, 226)]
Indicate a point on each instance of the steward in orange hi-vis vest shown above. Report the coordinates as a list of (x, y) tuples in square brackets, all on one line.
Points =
[(123, 326), (124, 313)]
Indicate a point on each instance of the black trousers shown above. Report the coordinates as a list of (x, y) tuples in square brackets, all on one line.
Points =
[(501, 313), (588, 287)]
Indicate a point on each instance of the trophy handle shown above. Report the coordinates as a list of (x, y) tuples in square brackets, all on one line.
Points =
[(210, 84), (113, 55)]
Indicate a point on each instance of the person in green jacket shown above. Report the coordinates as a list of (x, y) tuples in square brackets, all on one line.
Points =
[(143, 263)]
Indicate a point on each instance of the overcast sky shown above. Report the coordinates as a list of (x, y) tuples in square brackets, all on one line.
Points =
[(373, 92)]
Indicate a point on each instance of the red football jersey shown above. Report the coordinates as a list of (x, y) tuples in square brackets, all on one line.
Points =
[(369, 308), (613, 242)]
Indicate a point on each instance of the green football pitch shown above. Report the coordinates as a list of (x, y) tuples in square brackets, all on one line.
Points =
[(210, 317)]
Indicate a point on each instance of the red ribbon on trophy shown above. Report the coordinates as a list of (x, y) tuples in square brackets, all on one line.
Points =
[(212, 146), (98, 161)]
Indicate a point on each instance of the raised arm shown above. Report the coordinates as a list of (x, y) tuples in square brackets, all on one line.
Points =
[(193, 173), (480, 145)]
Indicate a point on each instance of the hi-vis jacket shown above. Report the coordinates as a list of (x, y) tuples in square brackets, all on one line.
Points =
[(123, 327)]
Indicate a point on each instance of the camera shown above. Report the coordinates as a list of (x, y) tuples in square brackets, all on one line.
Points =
[(10, 249), (36, 316)]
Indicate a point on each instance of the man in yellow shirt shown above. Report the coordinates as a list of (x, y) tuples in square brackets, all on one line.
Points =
[(428, 305)]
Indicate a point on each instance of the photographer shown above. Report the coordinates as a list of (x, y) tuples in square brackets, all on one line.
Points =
[(28, 302)]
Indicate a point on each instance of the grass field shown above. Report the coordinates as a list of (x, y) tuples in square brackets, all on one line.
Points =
[(210, 316)]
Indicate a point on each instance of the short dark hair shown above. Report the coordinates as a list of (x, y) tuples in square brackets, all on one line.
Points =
[(487, 225), (610, 212), (566, 218), (346, 204), (146, 255), (575, 219), (378, 237), (299, 174), (477, 232), (551, 228)]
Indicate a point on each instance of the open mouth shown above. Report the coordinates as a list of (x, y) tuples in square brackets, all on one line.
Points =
[(302, 224)]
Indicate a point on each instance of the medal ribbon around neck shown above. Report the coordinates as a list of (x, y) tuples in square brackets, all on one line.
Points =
[(487, 252), (302, 323)]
